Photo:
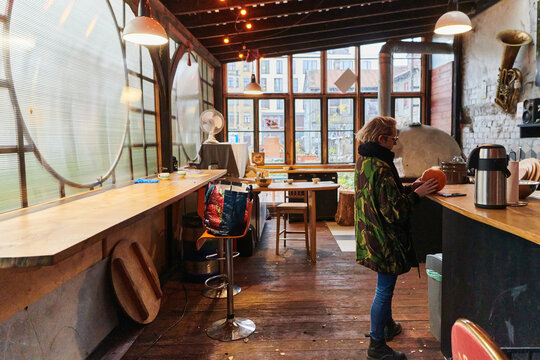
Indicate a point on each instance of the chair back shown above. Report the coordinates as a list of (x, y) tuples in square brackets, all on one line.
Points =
[(296, 194), (471, 342)]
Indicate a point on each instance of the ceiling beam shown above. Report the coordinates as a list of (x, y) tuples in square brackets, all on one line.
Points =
[(394, 8), (338, 37), (335, 36), (273, 10), (350, 41), (254, 40)]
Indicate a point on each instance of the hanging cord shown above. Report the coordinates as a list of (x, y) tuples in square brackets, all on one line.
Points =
[(170, 327)]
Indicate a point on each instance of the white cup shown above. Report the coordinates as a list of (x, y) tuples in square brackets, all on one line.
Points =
[(181, 174), (163, 176)]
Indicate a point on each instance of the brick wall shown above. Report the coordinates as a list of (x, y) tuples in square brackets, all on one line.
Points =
[(482, 120)]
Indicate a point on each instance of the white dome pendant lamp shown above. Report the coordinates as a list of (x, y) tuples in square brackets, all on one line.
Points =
[(143, 30), (453, 23)]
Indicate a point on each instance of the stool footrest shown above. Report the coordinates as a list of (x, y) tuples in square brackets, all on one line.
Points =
[(293, 239), (215, 287), (214, 257)]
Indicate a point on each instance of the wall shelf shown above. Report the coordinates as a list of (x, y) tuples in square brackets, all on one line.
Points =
[(529, 130)]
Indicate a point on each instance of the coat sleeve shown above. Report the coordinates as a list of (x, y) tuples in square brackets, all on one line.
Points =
[(394, 205)]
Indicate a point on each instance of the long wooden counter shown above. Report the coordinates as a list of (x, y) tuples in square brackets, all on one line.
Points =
[(37, 237), (490, 267), (520, 221)]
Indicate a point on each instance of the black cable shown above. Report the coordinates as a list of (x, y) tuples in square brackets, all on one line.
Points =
[(170, 327)]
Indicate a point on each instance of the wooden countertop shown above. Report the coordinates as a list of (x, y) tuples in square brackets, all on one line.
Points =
[(521, 221), (44, 236)]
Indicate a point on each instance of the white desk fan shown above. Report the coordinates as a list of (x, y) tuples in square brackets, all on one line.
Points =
[(211, 123)]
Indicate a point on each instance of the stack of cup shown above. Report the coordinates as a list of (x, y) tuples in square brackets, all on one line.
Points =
[(512, 182)]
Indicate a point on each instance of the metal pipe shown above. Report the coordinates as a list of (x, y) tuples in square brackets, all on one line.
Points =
[(385, 66), (230, 280)]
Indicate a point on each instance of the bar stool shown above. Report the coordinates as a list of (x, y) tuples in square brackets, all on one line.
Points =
[(218, 291), (231, 328)]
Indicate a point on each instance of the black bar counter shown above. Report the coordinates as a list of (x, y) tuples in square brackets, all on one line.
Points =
[(491, 268)]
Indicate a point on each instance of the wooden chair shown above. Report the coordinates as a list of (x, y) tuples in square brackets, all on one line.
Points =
[(230, 328), (287, 208)]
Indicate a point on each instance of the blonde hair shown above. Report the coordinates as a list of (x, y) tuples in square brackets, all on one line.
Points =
[(380, 125)]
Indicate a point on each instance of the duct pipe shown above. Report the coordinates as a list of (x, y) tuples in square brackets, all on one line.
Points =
[(385, 65)]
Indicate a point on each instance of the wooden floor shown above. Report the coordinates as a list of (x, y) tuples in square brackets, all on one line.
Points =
[(301, 310)]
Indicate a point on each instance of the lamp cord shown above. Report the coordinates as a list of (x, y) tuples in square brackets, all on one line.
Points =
[(170, 327)]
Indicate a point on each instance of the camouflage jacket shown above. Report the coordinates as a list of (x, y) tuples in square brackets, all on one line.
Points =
[(381, 213)]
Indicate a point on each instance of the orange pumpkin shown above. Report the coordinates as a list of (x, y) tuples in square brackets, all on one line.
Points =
[(437, 174)]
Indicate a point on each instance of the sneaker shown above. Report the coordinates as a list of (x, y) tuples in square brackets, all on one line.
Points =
[(392, 329), (378, 350)]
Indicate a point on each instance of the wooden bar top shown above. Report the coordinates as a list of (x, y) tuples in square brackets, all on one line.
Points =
[(521, 221), (45, 235)]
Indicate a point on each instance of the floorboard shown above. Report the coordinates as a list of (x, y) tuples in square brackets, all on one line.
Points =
[(301, 310)]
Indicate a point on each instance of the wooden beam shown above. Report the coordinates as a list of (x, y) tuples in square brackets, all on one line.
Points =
[(273, 10), (254, 40), (341, 42), (295, 21), (269, 45)]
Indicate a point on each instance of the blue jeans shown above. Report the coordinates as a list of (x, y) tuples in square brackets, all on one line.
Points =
[(381, 308)]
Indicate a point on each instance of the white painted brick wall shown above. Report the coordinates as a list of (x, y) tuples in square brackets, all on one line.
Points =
[(483, 121)]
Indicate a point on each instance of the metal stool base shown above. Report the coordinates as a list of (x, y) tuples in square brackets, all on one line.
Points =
[(219, 293), (231, 329)]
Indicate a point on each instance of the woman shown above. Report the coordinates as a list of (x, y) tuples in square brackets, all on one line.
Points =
[(382, 209)]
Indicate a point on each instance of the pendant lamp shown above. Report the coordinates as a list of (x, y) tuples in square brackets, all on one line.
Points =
[(143, 30), (452, 23), (253, 88)]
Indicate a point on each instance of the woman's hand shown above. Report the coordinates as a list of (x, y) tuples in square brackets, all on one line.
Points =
[(426, 188), (416, 184)]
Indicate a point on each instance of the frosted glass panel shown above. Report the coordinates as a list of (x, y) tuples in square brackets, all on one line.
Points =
[(185, 110), (9, 186)]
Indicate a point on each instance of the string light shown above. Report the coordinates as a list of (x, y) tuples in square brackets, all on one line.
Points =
[(249, 26), (240, 55), (226, 40), (243, 12)]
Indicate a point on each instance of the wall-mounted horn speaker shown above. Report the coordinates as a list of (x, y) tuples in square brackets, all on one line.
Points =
[(531, 111)]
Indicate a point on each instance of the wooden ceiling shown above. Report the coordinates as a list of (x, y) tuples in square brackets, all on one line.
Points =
[(282, 27)]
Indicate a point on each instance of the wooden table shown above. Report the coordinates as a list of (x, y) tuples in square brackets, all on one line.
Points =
[(311, 189), (47, 234)]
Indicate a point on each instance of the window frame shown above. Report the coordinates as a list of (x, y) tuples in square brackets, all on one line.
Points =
[(359, 97)]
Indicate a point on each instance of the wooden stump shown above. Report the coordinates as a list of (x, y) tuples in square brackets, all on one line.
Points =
[(345, 210)]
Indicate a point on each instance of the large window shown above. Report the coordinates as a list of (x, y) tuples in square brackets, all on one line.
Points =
[(407, 71), (239, 74), (307, 71), (272, 130), (241, 127), (274, 75), (407, 111), (369, 67), (307, 126), (338, 62), (340, 130), (314, 119), (77, 103)]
